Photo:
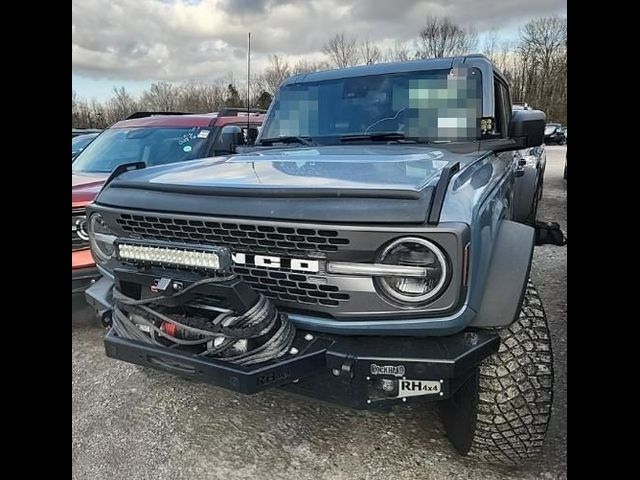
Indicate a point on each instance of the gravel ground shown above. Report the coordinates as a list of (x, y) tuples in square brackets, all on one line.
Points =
[(132, 425)]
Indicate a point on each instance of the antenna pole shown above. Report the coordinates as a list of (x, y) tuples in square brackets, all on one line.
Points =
[(248, 83)]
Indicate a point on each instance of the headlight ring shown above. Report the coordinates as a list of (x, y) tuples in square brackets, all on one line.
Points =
[(418, 252), (101, 239)]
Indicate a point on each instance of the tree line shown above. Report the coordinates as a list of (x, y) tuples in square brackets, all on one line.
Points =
[(535, 64)]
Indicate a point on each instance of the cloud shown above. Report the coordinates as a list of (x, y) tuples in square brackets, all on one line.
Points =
[(179, 40), (250, 7)]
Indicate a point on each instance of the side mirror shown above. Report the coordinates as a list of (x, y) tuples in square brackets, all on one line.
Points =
[(527, 128), (252, 134), (230, 137)]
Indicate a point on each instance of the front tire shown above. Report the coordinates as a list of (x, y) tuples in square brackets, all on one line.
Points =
[(501, 413)]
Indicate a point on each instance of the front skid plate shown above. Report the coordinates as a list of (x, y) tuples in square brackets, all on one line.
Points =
[(359, 372)]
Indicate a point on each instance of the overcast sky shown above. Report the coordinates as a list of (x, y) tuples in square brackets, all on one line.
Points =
[(136, 42)]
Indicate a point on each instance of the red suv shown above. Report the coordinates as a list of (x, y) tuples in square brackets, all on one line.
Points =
[(153, 138)]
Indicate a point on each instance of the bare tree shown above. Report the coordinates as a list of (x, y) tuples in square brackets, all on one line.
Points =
[(259, 96), (490, 45), (161, 97), (98, 114), (257, 86), (504, 56), (370, 52), (121, 105), (342, 51), (398, 53), (305, 66), (543, 62), (211, 96), (440, 37), (276, 72), (75, 115), (84, 114), (200, 97)]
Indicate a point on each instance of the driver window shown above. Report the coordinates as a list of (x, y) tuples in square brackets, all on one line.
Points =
[(502, 108)]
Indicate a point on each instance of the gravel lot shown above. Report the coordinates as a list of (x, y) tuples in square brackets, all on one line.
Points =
[(132, 425)]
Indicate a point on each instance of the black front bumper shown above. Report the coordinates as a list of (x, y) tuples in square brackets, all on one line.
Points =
[(347, 370), (83, 278), (344, 370)]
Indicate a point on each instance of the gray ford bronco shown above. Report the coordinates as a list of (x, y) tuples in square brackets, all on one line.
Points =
[(369, 248)]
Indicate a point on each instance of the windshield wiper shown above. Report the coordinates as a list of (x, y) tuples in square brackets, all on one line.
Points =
[(380, 136), (288, 139)]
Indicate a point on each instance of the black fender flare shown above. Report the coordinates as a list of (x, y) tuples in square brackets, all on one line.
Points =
[(507, 277), (526, 191)]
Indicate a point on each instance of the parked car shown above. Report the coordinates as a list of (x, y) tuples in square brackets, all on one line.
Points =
[(148, 137), (554, 134), (366, 252), (84, 131), (79, 143)]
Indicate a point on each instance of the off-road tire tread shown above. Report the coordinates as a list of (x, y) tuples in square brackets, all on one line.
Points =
[(515, 389)]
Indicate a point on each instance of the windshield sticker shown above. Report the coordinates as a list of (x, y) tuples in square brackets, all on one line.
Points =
[(186, 148), (203, 134), (187, 137)]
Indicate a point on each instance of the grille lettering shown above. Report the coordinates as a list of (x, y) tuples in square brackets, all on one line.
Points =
[(268, 261)]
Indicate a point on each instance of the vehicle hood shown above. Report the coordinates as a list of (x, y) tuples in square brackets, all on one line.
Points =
[(85, 187), (388, 167), (354, 183)]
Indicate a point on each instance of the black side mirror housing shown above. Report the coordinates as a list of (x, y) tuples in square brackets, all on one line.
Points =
[(527, 128), (252, 134), (230, 138)]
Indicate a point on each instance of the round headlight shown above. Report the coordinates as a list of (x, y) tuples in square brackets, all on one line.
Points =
[(101, 238), (79, 225), (414, 252)]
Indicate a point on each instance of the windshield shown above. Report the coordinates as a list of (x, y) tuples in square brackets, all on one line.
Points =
[(549, 129), (80, 142), (424, 106), (154, 146)]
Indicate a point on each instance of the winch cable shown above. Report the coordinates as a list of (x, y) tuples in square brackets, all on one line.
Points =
[(259, 320)]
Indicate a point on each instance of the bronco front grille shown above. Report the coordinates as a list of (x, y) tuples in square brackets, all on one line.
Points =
[(279, 284), (78, 230), (239, 236), (288, 286)]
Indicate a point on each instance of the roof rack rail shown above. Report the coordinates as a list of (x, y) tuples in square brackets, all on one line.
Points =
[(154, 114), (233, 112), (79, 131)]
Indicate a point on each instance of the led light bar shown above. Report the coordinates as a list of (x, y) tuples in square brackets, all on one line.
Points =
[(184, 257)]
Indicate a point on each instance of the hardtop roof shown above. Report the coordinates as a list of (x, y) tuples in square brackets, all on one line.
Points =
[(392, 67), (189, 120)]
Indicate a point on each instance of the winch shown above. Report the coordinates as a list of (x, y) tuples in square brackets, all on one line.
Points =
[(217, 316)]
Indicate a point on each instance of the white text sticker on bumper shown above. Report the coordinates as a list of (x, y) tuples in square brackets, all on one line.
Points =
[(412, 388)]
